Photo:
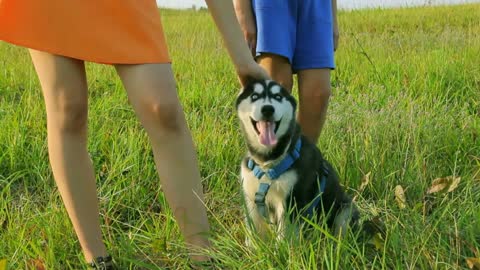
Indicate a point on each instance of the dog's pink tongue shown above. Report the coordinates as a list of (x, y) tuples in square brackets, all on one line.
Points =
[(267, 133)]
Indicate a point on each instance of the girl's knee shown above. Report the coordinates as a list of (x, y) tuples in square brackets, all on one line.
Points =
[(167, 117), (69, 116)]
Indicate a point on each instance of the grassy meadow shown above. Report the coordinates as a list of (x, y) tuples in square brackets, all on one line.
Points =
[(405, 111)]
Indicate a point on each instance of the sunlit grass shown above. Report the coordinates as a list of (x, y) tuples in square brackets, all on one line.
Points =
[(405, 107)]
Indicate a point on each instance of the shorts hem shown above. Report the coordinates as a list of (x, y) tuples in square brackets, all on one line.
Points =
[(305, 67), (284, 55)]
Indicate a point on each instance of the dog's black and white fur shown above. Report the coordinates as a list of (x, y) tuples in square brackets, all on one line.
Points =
[(268, 121)]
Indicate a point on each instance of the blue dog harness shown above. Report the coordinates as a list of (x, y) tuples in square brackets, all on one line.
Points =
[(276, 172)]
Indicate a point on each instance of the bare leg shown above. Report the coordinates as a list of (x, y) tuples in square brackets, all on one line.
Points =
[(152, 92), (64, 86), (314, 92), (278, 68)]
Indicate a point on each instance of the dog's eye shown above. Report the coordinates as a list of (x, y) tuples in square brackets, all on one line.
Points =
[(278, 97), (255, 97)]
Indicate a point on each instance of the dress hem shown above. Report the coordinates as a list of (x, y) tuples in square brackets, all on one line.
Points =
[(86, 59)]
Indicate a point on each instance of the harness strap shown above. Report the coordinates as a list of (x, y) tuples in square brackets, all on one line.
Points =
[(280, 168), (257, 171), (260, 198), (277, 171), (323, 183)]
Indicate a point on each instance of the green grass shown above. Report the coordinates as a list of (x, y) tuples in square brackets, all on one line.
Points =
[(405, 107)]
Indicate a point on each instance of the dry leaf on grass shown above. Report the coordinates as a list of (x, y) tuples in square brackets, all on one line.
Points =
[(36, 264), (439, 186), (363, 185), (377, 241), (400, 197), (473, 263), (3, 264), (365, 181), (375, 231), (444, 185)]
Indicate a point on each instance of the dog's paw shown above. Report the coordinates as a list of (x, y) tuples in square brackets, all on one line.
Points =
[(348, 215)]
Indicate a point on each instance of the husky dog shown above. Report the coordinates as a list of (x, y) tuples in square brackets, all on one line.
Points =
[(284, 176)]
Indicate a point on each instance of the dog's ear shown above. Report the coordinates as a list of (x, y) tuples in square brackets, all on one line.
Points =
[(240, 91), (244, 92), (249, 80)]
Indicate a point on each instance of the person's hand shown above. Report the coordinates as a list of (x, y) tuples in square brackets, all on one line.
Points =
[(250, 72), (223, 14), (243, 11), (249, 29), (336, 35)]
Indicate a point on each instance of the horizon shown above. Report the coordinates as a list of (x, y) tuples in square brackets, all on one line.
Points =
[(342, 4)]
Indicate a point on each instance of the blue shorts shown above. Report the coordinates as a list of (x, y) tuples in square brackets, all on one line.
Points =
[(300, 30)]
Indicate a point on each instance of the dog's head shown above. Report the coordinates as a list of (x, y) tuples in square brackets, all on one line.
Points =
[(267, 113)]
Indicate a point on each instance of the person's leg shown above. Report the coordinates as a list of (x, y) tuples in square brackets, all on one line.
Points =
[(64, 86), (313, 61), (314, 93), (278, 68), (152, 92)]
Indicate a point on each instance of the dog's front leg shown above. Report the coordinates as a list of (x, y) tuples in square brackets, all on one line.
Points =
[(280, 221), (255, 223)]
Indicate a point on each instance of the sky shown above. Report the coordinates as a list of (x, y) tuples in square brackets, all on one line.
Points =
[(342, 4)]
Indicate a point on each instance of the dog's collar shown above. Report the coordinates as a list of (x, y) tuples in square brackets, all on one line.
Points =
[(280, 168)]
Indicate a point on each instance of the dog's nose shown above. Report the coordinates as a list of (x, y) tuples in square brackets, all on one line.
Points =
[(268, 110)]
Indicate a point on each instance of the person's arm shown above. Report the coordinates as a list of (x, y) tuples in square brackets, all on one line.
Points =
[(336, 33), (224, 17), (244, 12)]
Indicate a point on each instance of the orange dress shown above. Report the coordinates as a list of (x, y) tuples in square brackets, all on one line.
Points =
[(103, 31)]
